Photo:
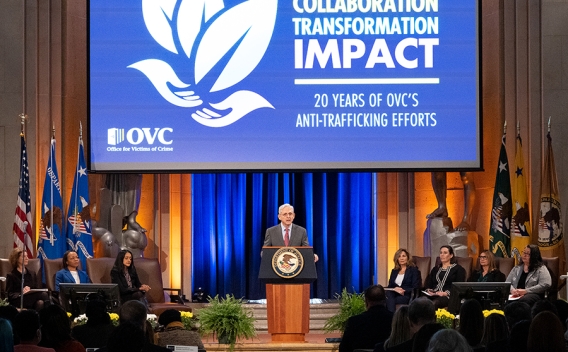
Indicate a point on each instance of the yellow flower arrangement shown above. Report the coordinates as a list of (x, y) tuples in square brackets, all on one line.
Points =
[(445, 318), (113, 318), (188, 320), (486, 312)]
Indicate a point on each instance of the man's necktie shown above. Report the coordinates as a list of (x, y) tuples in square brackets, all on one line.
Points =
[(287, 237)]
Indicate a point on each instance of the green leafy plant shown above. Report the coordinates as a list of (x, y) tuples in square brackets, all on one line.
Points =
[(228, 319), (350, 304)]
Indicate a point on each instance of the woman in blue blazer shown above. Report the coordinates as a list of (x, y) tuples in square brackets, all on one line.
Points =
[(404, 278), (70, 273)]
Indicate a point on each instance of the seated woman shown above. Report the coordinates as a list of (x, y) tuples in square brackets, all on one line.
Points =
[(32, 299), (486, 270), (530, 279), (70, 273), (124, 274), (404, 278), (442, 277)]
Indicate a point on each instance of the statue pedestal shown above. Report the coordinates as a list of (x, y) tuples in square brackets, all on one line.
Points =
[(440, 232)]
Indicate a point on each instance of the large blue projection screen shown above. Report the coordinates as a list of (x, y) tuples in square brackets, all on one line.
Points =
[(200, 85)]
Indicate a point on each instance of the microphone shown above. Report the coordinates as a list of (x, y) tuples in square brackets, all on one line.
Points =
[(24, 252)]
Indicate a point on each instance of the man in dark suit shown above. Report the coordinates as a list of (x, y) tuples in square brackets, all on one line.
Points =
[(276, 235), (286, 234), (367, 329)]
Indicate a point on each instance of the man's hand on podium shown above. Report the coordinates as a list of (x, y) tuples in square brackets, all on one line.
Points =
[(316, 258)]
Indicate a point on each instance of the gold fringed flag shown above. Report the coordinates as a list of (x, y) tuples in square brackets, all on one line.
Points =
[(521, 221), (500, 231), (550, 235)]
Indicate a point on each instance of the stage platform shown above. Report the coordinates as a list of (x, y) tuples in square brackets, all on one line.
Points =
[(314, 342), (320, 311)]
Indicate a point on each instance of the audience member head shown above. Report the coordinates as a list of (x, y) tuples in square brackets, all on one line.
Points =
[(26, 327), (448, 340), (15, 258), (471, 322), (375, 295), (127, 337), (562, 308), (95, 310), (55, 326), (133, 312), (421, 311), (535, 260), (124, 261), (6, 336), (546, 334), (486, 258), (446, 249), (517, 311), (423, 336), (519, 335), (70, 260), (398, 260), (543, 305), (400, 328), (495, 329), (8, 312), (169, 316)]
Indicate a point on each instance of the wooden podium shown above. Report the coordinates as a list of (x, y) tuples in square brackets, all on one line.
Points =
[(287, 294)]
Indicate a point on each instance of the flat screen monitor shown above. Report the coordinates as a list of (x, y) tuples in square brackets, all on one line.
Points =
[(73, 296), (283, 85), (491, 295)]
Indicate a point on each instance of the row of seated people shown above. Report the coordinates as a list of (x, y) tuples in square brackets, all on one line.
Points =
[(50, 330), (414, 327), (530, 280), (100, 270)]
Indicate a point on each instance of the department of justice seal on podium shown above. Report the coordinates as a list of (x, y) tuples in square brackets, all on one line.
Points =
[(287, 262)]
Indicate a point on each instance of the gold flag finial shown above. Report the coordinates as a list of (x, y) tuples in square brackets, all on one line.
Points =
[(80, 129), (53, 132), (23, 118), (549, 117), (518, 127), (505, 127)]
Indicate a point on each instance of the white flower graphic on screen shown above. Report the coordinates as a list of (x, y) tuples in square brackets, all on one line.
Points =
[(208, 35)]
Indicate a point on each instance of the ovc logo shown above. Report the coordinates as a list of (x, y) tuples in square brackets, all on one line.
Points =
[(137, 135), (244, 31)]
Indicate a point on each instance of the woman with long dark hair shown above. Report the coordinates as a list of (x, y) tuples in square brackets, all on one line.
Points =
[(442, 276), (530, 279), (404, 278), (124, 274)]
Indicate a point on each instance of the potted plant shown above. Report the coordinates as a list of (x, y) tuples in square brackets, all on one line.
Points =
[(228, 319), (350, 304)]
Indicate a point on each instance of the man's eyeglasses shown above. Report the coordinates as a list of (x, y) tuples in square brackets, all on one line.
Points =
[(287, 214)]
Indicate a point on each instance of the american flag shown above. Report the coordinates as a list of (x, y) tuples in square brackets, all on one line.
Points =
[(23, 218)]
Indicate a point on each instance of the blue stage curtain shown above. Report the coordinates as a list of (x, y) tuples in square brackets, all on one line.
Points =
[(231, 213)]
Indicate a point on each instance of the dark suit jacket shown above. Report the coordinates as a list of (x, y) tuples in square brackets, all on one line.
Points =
[(298, 236), (492, 276), (457, 274), (14, 283), (367, 329), (118, 278), (412, 279), (65, 276)]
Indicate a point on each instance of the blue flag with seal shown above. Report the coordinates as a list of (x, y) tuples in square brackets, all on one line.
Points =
[(79, 232), (51, 243)]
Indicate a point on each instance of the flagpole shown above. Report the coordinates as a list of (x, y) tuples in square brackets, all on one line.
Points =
[(51, 239)]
